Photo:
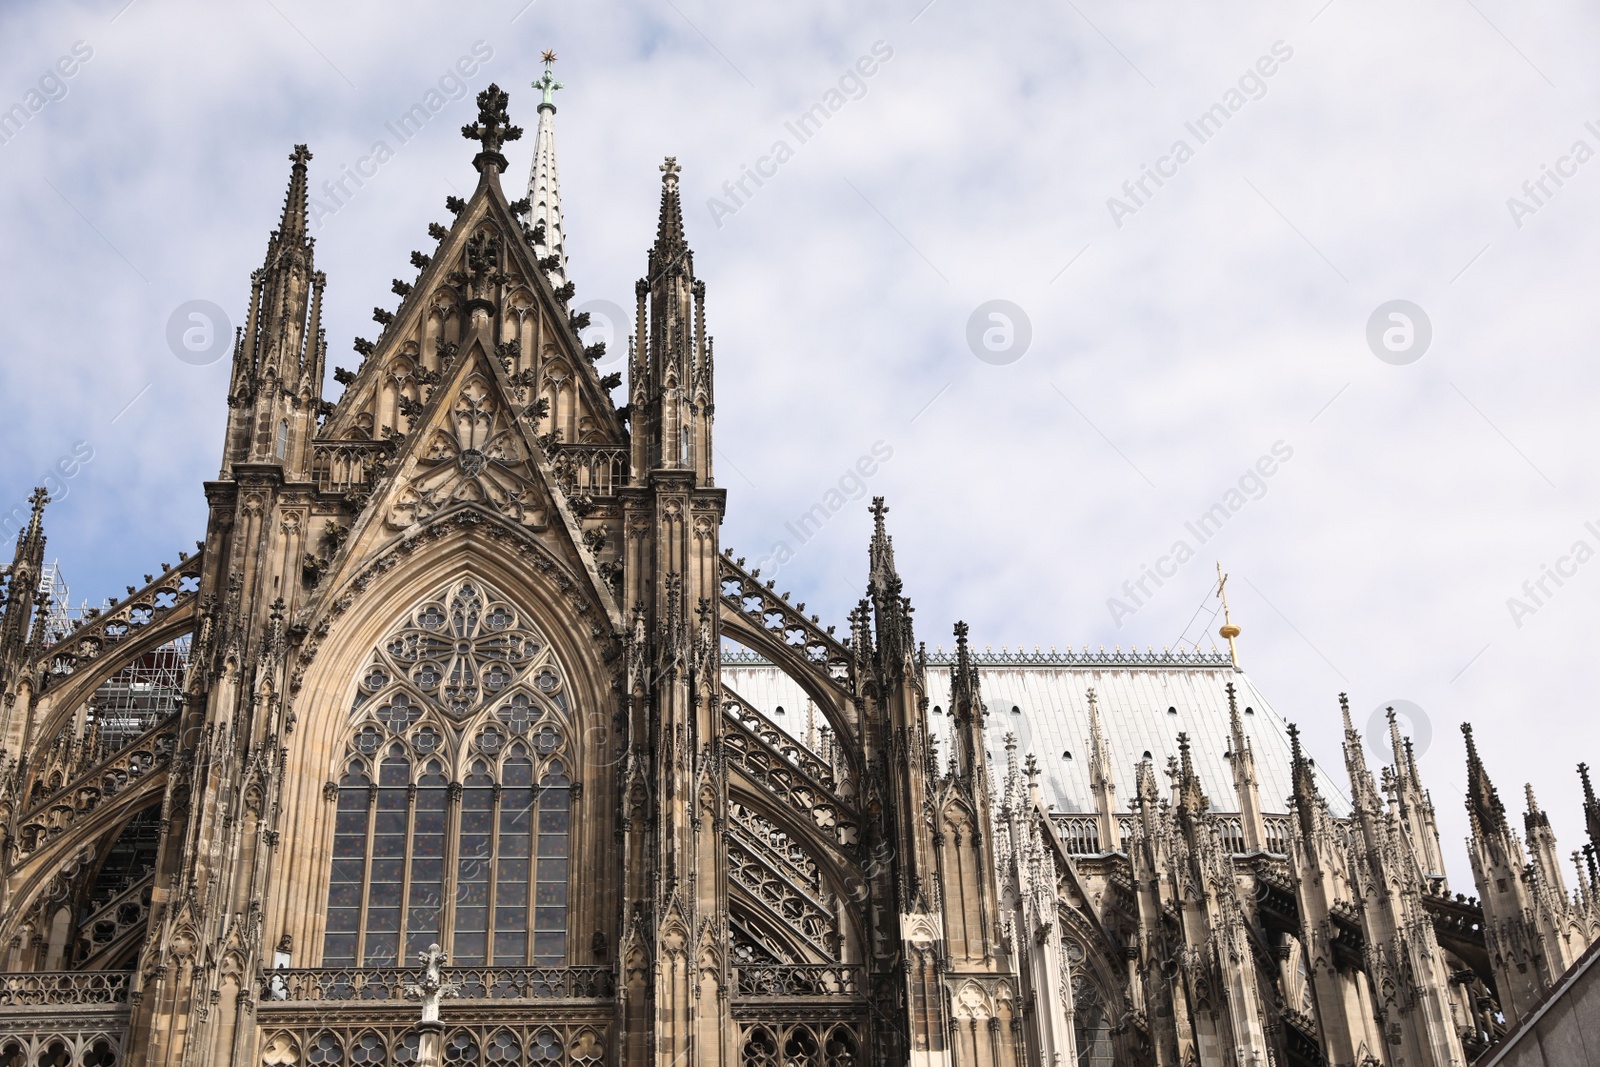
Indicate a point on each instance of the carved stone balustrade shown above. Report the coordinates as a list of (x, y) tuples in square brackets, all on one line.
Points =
[(349, 466), (831, 980), (597, 470), (476, 983), (40, 989)]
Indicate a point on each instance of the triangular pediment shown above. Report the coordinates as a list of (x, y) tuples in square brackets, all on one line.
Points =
[(482, 282), (472, 448)]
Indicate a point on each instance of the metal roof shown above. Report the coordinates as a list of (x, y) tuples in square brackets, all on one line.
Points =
[(1042, 698)]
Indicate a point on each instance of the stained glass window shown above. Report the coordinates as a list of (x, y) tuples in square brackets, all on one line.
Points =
[(453, 819)]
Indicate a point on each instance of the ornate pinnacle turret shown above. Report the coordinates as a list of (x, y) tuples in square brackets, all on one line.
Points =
[(1013, 793), (1190, 795), (493, 129), (292, 228), (1483, 802), (881, 575), (22, 587), (966, 710), (278, 360), (670, 384), (544, 187), (1245, 785), (1102, 781), (1364, 790), (1591, 807), (669, 227), (1306, 793)]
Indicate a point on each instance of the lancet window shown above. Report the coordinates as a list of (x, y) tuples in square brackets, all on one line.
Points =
[(454, 802)]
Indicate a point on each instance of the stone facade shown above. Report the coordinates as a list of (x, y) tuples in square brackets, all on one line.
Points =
[(429, 754)]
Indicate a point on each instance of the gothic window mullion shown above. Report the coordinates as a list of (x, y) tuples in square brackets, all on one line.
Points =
[(452, 863), (366, 871), (426, 870), (513, 891), (348, 869), (493, 881), (391, 823), (405, 873), (475, 866)]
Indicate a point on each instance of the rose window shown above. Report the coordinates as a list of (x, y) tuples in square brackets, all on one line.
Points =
[(463, 647)]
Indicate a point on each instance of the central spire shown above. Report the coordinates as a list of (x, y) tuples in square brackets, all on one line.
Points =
[(544, 187)]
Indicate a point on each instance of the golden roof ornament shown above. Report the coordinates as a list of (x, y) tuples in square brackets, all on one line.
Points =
[(1228, 630)]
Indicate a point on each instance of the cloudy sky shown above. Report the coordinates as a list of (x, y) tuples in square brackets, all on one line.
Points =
[(1175, 337)]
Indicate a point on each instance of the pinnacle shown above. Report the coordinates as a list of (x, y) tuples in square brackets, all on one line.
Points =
[(1483, 802), (669, 229), (293, 226), (493, 129)]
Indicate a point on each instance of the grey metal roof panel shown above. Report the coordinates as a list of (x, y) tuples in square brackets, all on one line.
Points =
[(1045, 705)]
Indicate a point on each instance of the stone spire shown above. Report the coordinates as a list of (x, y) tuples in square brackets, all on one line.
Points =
[(1306, 795), (1483, 802), (544, 186), (275, 394), (1363, 789), (1102, 782), (670, 385), (669, 227), (1546, 860), (22, 586), (966, 711), (881, 576), (1414, 806), (1245, 785), (1591, 808)]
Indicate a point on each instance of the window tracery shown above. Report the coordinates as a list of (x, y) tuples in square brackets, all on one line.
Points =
[(454, 803), (801, 1045)]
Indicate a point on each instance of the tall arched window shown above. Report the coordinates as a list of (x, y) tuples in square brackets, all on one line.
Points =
[(454, 805)]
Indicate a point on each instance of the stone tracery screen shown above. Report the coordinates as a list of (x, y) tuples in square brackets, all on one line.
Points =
[(453, 821)]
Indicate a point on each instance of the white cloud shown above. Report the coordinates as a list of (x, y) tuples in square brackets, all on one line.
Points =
[(1212, 324)]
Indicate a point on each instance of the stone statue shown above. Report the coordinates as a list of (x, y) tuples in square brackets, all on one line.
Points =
[(432, 985)]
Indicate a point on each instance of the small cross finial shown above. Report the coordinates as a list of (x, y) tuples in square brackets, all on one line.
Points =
[(548, 83), (493, 127), (669, 171), (39, 498)]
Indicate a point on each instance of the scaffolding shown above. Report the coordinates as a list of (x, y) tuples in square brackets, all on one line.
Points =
[(54, 603), (140, 695)]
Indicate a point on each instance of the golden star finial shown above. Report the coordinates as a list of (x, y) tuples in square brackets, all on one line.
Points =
[(549, 56)]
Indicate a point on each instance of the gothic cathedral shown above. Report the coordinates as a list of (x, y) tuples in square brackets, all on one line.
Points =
[(461, 739)]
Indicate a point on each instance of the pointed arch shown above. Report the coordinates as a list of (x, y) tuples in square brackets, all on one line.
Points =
[(454, 794)]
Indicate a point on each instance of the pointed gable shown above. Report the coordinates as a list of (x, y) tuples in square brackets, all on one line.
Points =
[(482, 283)]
